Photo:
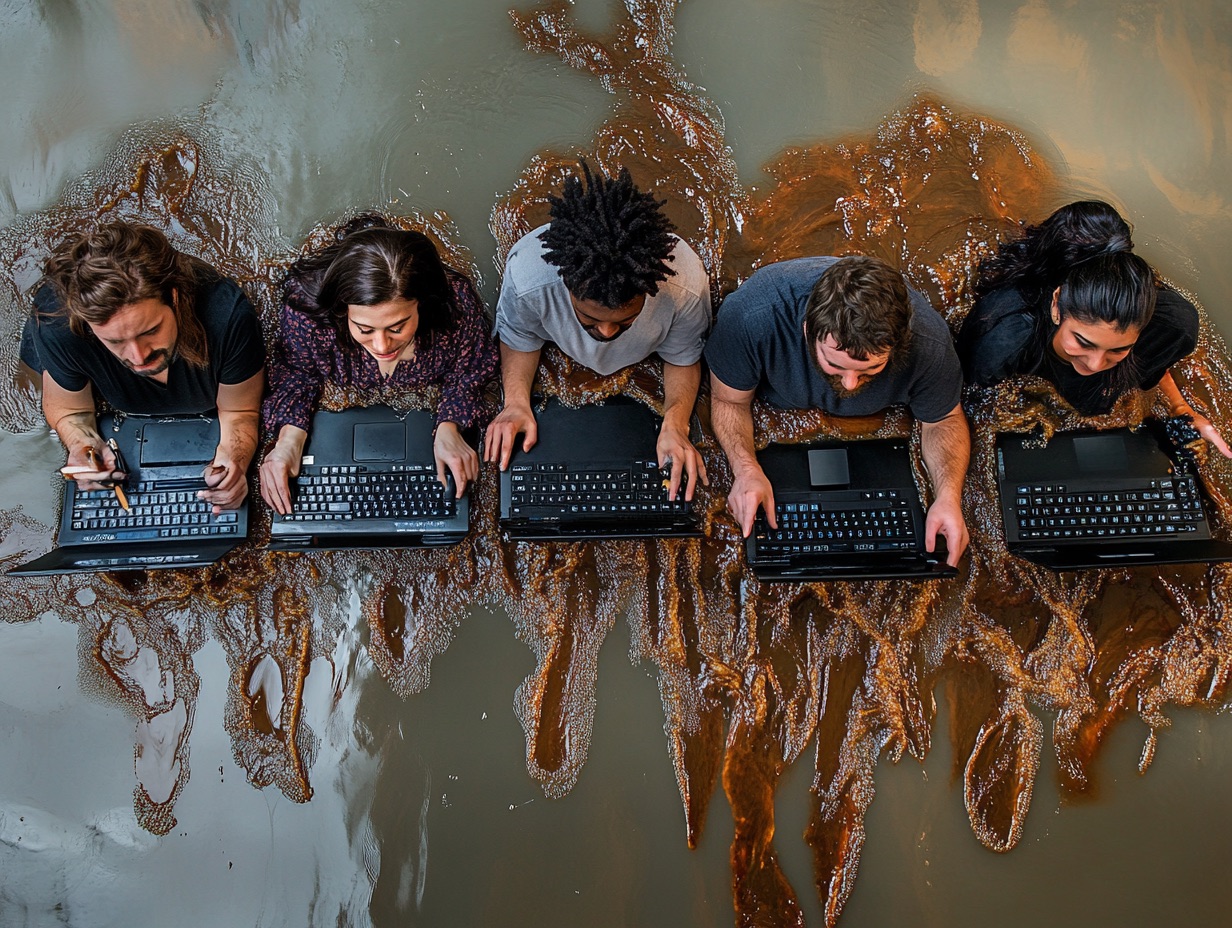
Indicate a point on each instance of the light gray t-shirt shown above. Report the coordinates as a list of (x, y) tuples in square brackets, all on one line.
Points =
[(534, 308)]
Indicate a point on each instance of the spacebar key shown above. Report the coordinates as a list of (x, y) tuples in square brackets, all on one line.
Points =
[(137, 534)]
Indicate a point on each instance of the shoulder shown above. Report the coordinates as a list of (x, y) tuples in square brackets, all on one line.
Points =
[(1174, 311), (689, 273), (221, 297)]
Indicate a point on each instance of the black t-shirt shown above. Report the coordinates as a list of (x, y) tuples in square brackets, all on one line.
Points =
[(1004, 337), (233, 339)]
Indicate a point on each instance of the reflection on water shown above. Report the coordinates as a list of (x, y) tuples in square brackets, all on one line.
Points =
[(750, 675)]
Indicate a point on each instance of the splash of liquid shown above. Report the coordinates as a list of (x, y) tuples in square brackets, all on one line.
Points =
[(750, 675)]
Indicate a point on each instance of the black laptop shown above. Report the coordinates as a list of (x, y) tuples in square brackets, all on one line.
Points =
[(368, 480), (846, 510), (166, 526), (1113, 498), (593, 474)]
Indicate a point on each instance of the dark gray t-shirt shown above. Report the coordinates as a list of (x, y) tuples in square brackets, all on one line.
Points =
[(758, 343)]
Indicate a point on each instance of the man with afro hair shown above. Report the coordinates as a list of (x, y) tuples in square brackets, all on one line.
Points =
[(609, 284)]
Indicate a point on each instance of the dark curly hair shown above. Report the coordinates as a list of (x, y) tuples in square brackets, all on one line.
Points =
[(610, 241), (373, 262)]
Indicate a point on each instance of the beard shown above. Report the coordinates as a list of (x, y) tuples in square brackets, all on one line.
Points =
[(161, 359), (836, 384)]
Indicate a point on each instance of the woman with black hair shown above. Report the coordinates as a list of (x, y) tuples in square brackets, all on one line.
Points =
[(1069, 301), (376, 309)]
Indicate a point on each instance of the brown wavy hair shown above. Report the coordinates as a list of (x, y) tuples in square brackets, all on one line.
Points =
[(863, 303), (96, 273)]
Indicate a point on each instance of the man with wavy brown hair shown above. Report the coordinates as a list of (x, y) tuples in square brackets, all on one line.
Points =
[(122, 315), (846, 336)]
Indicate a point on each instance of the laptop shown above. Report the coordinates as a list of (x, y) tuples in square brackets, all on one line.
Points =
[(368, 480), (166, 526), (1113, 498), (846, 510), (593, 474)]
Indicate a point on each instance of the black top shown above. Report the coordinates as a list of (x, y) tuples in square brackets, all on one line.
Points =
[(1003, 337), (233, 340)]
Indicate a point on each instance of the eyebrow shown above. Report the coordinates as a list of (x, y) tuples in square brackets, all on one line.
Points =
[(393, 325), (150, 331), (1087, 343)]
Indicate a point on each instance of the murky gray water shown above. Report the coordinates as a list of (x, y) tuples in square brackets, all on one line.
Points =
[(422, 809)]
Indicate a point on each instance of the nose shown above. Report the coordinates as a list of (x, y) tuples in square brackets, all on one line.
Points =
[(380, 342), (607, 329), (850, 380), (135, 353)]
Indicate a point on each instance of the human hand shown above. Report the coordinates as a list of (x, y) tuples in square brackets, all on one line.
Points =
[(455, 456), (93, 466), (749, 491), (945, 518), (674, 448), (503, 431), (280, 465), (1204, 427), (226, 482)]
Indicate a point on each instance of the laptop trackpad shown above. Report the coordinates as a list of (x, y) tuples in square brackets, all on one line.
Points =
[(1101, 454), (828, 467), (379, 441), (179, 441)]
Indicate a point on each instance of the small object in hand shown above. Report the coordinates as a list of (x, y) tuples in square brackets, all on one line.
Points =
[(1181, 433)]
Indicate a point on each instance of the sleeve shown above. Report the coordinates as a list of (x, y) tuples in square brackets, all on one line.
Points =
[(992, 344), (686, 337), (731, 352), (1171, 335), (473, 359), (517, 320), (243, 348), (938, 383), (50, 337), (295, 376)]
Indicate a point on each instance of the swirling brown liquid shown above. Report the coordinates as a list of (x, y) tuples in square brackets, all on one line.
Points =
[(751, 675)]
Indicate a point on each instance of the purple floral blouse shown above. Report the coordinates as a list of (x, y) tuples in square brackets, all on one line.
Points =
[(308, 355)]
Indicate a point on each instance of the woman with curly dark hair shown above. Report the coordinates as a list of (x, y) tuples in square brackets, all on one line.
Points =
[(1069, 301), (376, 308)]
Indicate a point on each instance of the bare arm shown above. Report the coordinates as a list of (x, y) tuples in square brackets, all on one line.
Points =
[(679, 396), (71, 414), (239, 410), (1179, 406), (946, 448), (731, 414), (517, 375)]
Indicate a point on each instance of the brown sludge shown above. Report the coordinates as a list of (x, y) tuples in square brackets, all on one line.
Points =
[(750, 675)]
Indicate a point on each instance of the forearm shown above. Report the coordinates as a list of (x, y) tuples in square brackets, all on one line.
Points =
[(71, 415), (1177, 404), (946, 448), (238, 430), (518, 374), (733, 427), (680, 393)]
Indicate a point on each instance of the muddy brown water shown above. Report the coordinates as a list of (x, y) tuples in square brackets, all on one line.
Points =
[(441, 737)]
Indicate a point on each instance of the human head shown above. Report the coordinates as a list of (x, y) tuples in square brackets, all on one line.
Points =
[(374, 263), (99, 273), (610, 241), (1117, 289), (863, 305)]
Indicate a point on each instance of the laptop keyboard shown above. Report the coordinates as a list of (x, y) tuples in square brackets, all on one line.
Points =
[(333, 494), (874, 520), (159, 509), (595, 492), (1164, 507)]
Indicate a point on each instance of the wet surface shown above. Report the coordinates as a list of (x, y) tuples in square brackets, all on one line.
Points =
[(318, 660)]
